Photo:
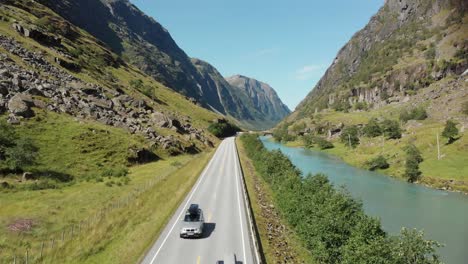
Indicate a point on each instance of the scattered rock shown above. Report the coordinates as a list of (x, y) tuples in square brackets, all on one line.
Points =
[(20, 105)]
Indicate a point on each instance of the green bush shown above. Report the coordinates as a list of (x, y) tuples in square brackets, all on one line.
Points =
[(311, 140), (15, 153), (380, 162), (417, 113), (391, 129), (281, 134), (372, 129), (450, 131), (223, 129), (115, 172), (350, 136), (413, 158), (332, 225), (361, 106)]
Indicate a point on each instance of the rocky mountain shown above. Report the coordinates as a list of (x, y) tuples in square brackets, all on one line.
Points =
[(405, 47), (253, 103), (262, 96), (143, 42), (50, 65), (407, 67)]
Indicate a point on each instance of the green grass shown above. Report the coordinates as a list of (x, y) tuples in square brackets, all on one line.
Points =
[(83, 149), (452, 165), (123, 235), (297, 249)]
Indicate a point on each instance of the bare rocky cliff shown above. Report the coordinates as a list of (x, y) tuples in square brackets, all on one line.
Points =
[(262, 96), (143, 42), (406, 46)]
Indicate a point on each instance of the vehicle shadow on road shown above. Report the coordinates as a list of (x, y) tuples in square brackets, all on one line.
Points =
[(208, 229)]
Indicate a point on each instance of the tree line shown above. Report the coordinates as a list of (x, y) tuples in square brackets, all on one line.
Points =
[(331, 224)]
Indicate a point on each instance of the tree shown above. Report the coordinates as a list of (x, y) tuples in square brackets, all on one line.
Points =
[(23, 154), (413, 158), (450, 131), (372, 129), (391, 129), (380, 162), (411, 247), (7, 138), (350, 136)]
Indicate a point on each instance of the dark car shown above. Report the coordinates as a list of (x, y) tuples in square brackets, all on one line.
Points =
[(193, 222)]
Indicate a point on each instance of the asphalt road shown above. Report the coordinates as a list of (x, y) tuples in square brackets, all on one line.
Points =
[(219, 193)]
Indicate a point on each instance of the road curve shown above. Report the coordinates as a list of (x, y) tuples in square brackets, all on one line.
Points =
[(219, 193)]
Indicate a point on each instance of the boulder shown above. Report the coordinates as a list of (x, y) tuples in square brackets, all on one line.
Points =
[(20, 105), (160, 119)]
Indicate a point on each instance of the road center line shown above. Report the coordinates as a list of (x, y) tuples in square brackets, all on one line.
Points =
[(188, 201), (198, 260)]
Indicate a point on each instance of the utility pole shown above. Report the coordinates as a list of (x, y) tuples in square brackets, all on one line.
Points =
[(438, 146)]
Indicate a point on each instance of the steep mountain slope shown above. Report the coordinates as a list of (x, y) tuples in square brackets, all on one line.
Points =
[(143, 42), (77, 123), (263, 97), (412, 57), (254, 106), (406, 46)]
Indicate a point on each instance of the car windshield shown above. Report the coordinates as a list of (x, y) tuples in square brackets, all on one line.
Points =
[(192, 218)]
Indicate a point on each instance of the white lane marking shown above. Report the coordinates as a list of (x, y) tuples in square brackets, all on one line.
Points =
[(188, 201), (238, 202)]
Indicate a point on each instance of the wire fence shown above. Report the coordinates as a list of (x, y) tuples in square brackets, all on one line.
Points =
[(36, 251)]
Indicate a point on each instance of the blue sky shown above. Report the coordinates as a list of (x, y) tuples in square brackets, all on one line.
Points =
[(287, 44)]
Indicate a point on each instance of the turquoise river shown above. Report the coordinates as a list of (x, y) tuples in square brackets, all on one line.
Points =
[(442, 215)]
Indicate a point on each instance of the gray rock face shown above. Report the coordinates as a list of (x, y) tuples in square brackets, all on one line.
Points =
[(397, 20), (68, 94), (153, 50), (20, 105), (263, 97)]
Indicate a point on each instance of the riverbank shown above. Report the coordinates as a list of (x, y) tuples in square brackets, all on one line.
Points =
[(449, 173), (395, 202), (278, 242)]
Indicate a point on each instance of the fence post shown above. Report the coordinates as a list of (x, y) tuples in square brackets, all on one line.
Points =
[(53, 242), (14, 259), (63, 235), (42, 249), (72, 230), (27, 256)]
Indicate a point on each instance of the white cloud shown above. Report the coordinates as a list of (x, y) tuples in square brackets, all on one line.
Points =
[(308, 71), (264, 52)]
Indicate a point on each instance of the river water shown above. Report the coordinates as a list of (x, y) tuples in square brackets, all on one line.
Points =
[(442, 215)]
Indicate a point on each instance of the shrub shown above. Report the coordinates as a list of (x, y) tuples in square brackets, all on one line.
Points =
[(391, 129), (332, 225), (342, 106), (413, 158), (310, 141), (372, 129), (450, 131), (380, 162), (417, 113), (361, 106), (350, 136), (21, 155), (116, 172), (223, 129), (323, 143)]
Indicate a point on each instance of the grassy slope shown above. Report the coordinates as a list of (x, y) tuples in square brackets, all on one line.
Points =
[(84, 149), (435, 172), (297, 250)]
